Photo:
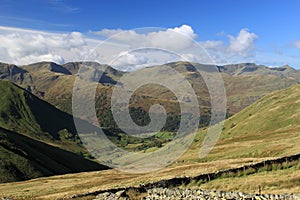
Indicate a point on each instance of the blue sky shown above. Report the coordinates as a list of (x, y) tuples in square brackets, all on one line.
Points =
[(274, 25)]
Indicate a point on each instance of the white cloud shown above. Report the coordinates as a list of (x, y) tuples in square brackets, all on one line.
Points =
[(162, 46), (129, 60), (184, 30), (46, 57), (140, 58), (122, 48), (242, 44), (239, 48), (174, 39), (21, 46), (107, 32)]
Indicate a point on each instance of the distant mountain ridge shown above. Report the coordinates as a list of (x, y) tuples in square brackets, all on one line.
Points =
[(253, 69), (47, 66), (244, 83), (73, 67)]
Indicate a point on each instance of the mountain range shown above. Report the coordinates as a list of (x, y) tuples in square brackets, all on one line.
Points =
[(244, 83), (38, 132)]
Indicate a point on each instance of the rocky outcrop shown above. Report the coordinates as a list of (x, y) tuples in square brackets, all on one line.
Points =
[(121, 195), (11, 72)]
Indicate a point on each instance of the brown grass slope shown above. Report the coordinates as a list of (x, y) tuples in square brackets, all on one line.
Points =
[(268, 128)]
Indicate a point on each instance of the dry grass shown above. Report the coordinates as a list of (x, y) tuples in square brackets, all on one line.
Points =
[(279, 181), (67, 185)]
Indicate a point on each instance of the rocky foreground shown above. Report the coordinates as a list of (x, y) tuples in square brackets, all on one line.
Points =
[(194, 194)]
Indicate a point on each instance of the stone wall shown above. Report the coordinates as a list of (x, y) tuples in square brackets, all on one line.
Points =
[(177, 194)]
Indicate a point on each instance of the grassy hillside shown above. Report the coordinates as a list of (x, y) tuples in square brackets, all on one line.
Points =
[(268, 128), (22, 112), (23, 158)]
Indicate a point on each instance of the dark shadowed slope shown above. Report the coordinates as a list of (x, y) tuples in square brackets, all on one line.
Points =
[(25, 158), (25, 113)]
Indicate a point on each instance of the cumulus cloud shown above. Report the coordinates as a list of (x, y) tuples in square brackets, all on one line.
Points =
[(243, 43), (163, 46), (21, 46), (174, 39), (123, 49), (45, 57), (139, 58), (239, 48), (128, 60)]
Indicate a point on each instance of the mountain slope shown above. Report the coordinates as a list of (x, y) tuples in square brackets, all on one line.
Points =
[(274, 121), (244, 83), (37, 139), (23, 112), (268, 128), (23, 158), (8, 71), (47, 66)]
